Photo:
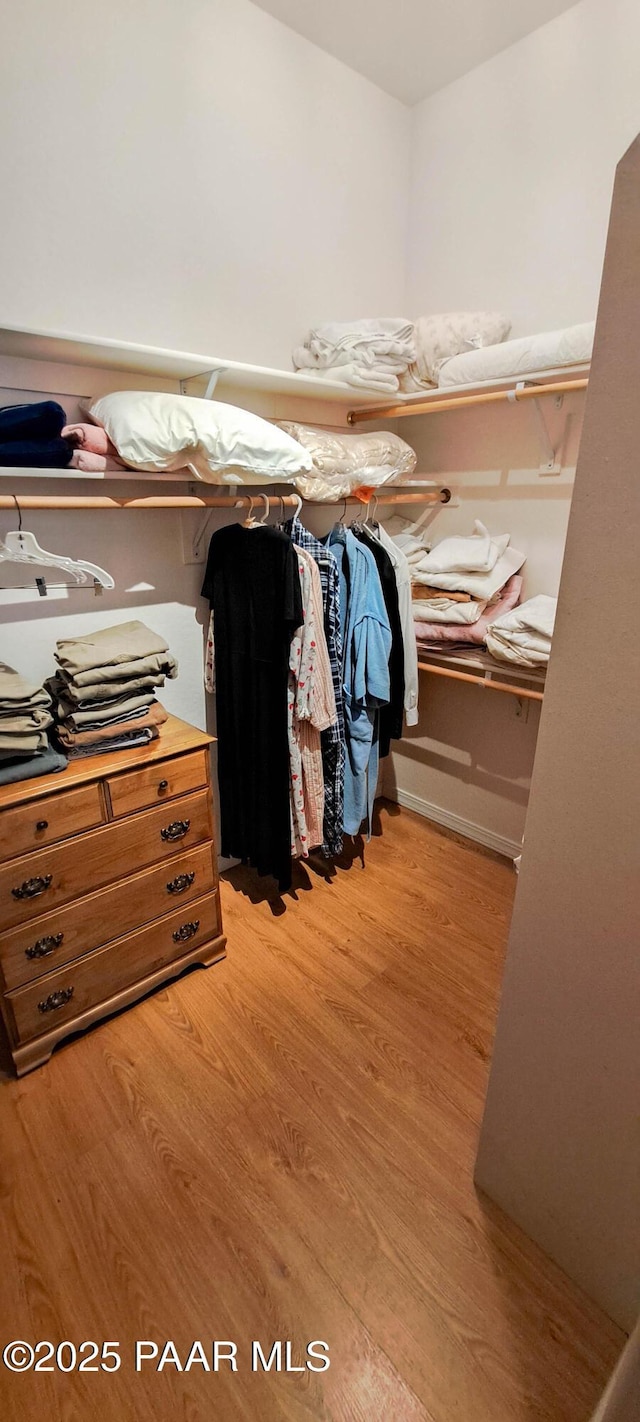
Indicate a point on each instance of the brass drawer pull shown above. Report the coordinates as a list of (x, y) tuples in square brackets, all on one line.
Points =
[(42, 824), (32, 887), (176, 830), (186, 931), (162, 786), (55, 1000), (44, 946), (180, 883)]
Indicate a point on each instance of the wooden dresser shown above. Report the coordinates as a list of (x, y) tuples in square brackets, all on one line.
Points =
[(108, 886)]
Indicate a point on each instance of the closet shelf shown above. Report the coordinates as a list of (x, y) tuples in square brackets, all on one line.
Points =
[(104, 353), (481, 669), (562, 381)]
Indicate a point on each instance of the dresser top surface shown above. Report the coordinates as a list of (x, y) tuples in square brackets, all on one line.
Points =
[(175, 738)]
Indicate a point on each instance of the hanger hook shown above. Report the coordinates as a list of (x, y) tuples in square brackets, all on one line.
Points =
[(15, 500), (267, 506)]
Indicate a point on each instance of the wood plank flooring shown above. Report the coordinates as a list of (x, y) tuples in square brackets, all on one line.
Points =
[(281, 1148)]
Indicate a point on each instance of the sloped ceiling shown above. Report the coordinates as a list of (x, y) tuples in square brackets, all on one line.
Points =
[(410, 48)]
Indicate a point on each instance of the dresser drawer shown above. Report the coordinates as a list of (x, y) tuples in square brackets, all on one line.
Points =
[(44, 821), (37, 883), (45, 944), (138, 789), (63, 995)]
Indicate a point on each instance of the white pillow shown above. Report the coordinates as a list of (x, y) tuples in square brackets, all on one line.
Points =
[(222, 444)]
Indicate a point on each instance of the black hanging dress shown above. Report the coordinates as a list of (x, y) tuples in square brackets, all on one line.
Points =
[(253, 586)]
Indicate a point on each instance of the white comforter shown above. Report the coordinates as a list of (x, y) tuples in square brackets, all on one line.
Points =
[(524, 635), (572, 345), (371, 354)]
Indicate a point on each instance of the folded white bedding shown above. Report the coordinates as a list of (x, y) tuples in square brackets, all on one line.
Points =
[(382, 335), (443, 609), (524, 635), (476, 553), (573, 345), (362, 377), (304, 359), (480, 585), (370, 354)]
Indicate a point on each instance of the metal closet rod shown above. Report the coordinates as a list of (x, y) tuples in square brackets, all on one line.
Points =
[(455, 402), (217, 501)]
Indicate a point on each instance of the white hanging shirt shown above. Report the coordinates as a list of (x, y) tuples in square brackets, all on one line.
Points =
[(403, 580)]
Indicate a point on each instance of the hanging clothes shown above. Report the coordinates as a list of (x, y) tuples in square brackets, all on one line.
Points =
[(333, 739), (253, 586), (403, 583), (391, 716), (366, 638), (312, 709)]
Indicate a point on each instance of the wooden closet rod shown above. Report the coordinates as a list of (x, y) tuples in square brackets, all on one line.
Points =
[(456, 402), (187, 501), (487, 683)]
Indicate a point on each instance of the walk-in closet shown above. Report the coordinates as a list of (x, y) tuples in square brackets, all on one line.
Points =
[(319, 361)]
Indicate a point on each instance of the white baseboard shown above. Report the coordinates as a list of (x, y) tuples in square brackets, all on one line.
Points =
[(508, 847)]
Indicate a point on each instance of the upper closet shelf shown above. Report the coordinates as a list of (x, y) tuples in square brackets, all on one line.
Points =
[(98, 351), (559, 381)]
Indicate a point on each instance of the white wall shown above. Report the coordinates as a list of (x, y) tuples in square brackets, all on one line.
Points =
[(511, 181), (469, 760), (192, 175), (513, 169)]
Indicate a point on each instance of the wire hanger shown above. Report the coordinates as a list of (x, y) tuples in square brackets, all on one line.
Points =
[(20, 546)]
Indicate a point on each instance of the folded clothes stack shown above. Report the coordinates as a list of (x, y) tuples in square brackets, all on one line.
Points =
[(370, 354), (105, 689), (25, 717), (462, 585), (524, 635)]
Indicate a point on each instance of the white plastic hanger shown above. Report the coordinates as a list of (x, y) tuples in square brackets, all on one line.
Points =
[(19, 546), (250, 521)]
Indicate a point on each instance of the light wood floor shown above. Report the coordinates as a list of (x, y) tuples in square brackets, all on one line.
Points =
[(282, 1148)]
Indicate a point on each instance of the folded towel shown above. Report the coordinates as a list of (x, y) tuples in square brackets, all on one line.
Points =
[(475, 633), (359, 376), (92, 438), (442, 610), (112, 645), (480, 585), (89, 463), (422, 592), (477, 553), (524, 636)]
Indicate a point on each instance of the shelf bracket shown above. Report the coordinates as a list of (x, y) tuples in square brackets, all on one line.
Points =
[(549, 461), (213, 376)]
